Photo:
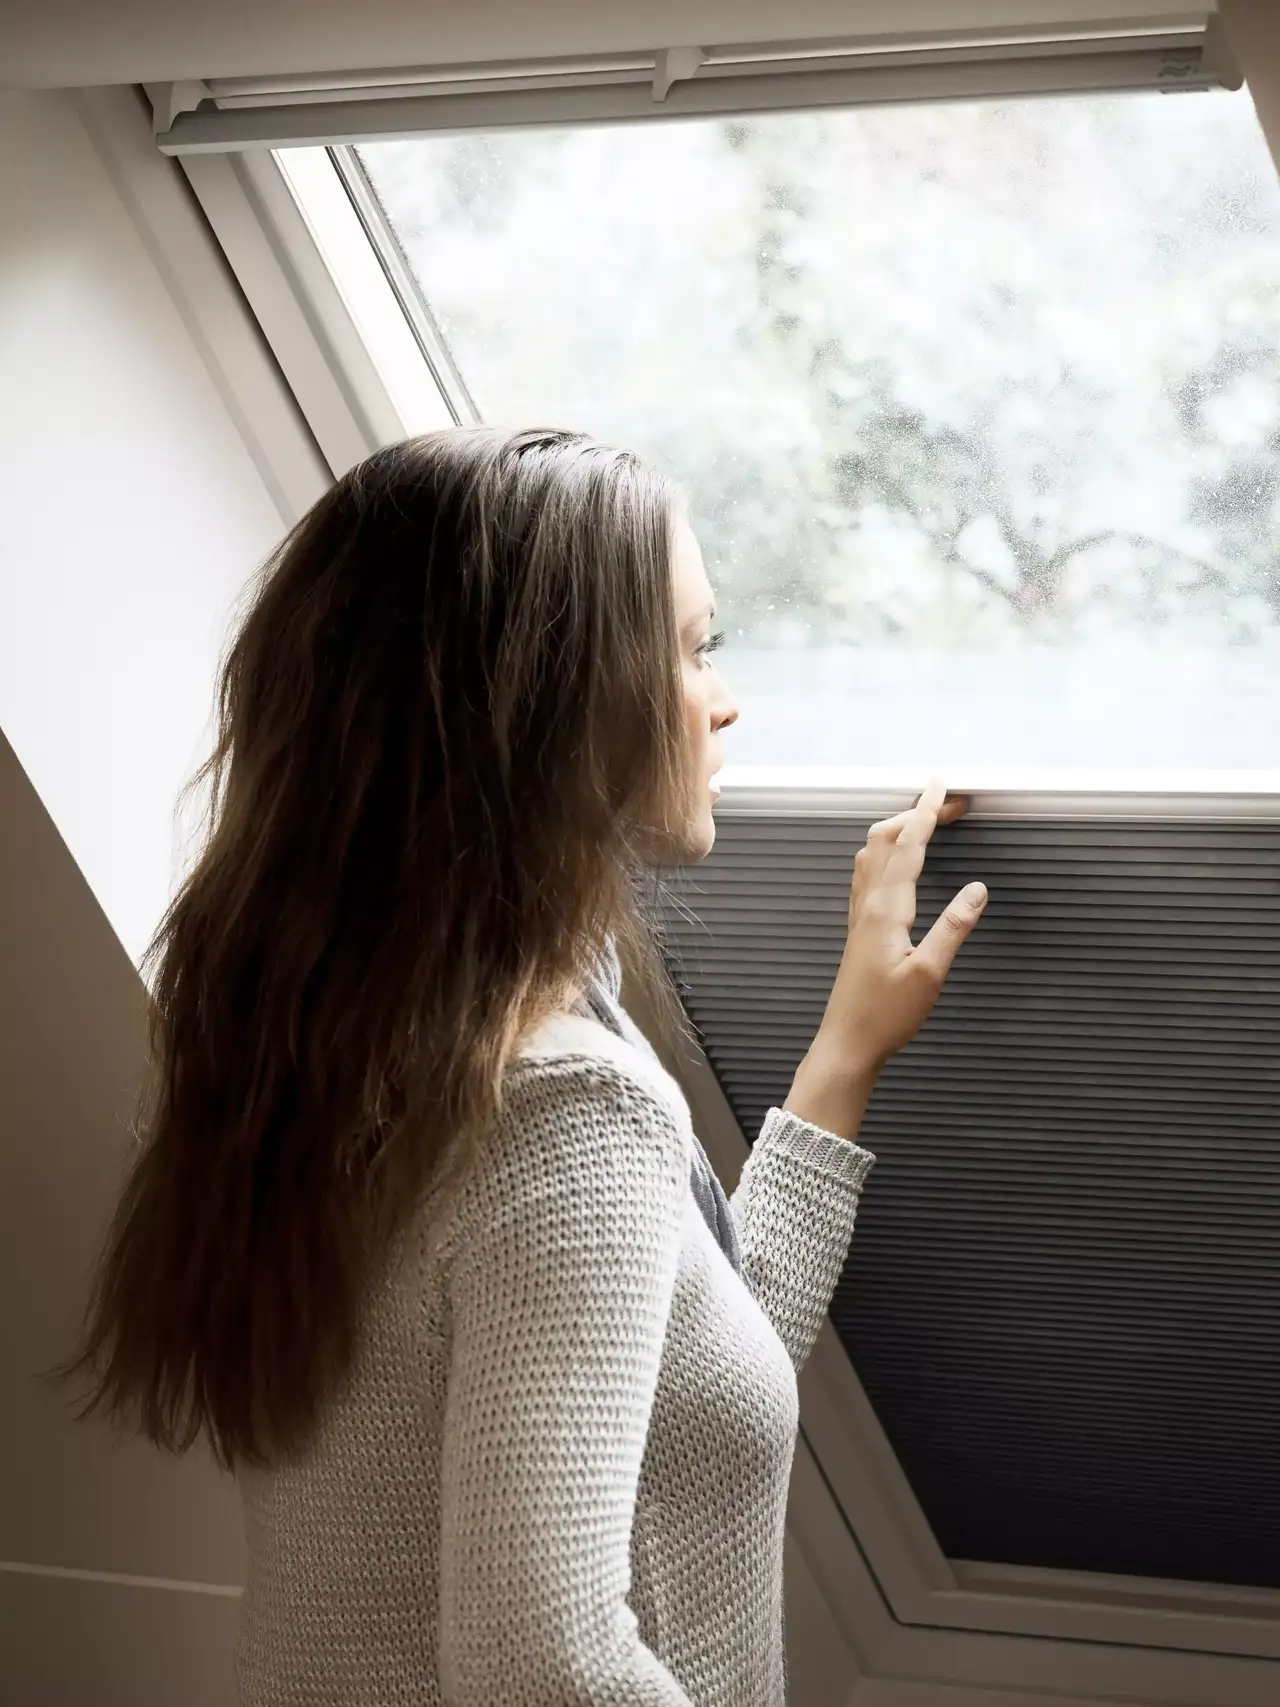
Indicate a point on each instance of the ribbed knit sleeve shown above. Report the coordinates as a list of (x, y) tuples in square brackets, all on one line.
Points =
[(564, 1259), (794, 1208)]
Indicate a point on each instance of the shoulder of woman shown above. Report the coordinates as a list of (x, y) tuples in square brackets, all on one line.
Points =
[(583, 1112), (578, 1066)]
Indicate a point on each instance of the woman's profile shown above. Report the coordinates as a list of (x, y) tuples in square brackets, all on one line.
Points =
[(418, 1236)]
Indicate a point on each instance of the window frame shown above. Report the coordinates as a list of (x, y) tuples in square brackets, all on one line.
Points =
[(359, 348)]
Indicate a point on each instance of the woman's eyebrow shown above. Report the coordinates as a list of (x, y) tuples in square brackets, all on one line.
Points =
[(704, 615)]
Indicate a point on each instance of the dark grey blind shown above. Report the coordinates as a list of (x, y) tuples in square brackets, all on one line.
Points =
[(1064, 1294)]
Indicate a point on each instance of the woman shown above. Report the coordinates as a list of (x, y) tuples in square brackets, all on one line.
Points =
[(419, 1237)]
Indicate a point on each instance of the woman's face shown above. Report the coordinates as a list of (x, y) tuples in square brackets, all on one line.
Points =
[(709, 705)]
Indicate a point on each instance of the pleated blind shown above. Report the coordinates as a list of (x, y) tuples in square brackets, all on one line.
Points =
[(1064, 1294)]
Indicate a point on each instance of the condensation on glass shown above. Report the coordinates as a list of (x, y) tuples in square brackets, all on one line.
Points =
[(977, 405)]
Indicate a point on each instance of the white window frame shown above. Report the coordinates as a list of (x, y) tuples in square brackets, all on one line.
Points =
[(360, 350)]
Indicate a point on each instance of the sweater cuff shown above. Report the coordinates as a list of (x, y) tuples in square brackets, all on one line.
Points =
[(836, 1157)]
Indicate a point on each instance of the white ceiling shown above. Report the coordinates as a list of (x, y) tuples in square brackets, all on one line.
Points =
[(73, 43)]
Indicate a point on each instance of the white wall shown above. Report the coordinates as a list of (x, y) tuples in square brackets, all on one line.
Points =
[(90, 1526), (137, 496), (134, 512)]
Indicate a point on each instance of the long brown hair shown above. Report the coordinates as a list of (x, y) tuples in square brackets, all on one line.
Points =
[(447, 726)]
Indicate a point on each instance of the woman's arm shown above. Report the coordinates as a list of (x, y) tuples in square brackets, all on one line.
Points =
[(564, 1265), (794, 1209), (798, 1195)]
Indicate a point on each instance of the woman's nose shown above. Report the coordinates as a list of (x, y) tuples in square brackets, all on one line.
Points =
[(724, 713)]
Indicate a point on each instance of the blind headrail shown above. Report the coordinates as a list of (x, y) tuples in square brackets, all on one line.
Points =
[(232, 114)]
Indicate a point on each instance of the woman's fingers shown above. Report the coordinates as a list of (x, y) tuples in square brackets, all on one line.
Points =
[(887, 831), (907, 859), (953, 807), (885, 989), (897, 845), (870, 866)]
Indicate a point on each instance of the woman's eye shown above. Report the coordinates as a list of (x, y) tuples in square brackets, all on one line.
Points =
[(712, 644)]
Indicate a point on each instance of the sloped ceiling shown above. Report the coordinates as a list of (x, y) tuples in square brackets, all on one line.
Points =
[(1064, 1294)]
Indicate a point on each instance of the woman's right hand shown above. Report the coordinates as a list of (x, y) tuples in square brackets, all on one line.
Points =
[(885, 988)]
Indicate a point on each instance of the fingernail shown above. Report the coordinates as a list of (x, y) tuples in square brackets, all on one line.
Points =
[(975, 894)]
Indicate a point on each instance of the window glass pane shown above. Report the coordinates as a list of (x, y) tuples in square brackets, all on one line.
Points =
[(977, 405)]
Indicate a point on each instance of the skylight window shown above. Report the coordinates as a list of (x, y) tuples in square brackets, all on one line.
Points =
[(977, 405)]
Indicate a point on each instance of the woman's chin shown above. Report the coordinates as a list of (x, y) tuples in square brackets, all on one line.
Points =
[(691, 842), (702, 837)]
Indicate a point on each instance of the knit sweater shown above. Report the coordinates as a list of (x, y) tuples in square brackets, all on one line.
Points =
[(557, 1473), (602, 1000)]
